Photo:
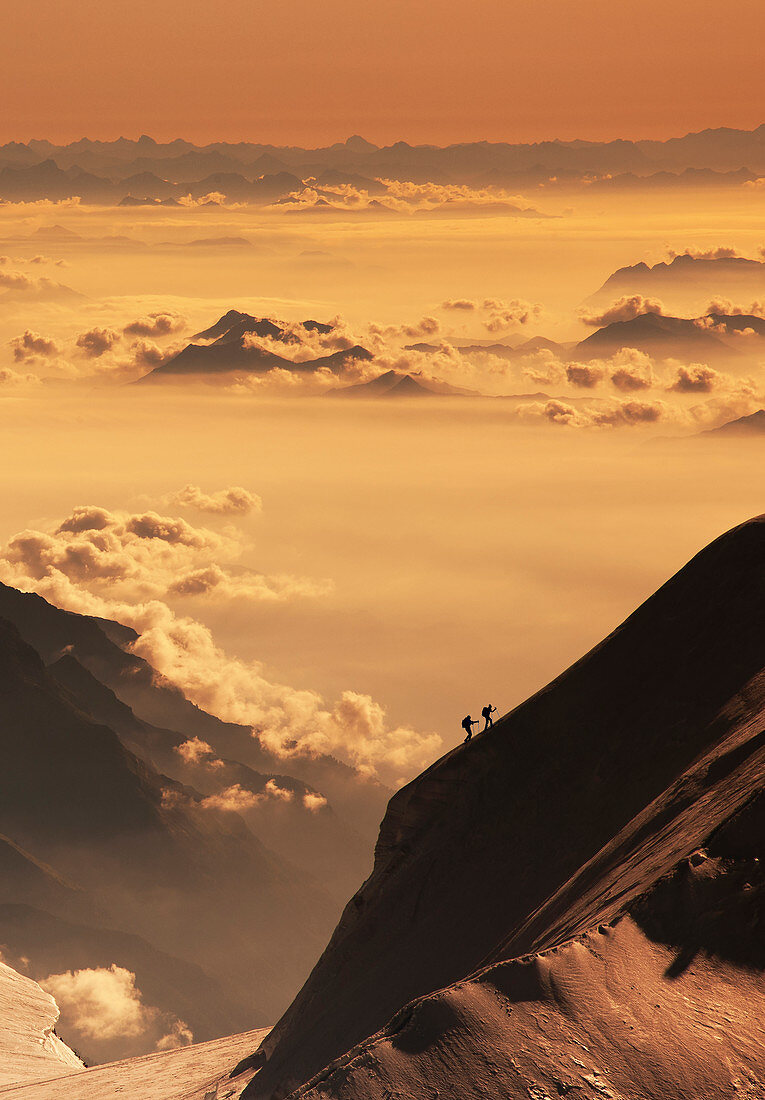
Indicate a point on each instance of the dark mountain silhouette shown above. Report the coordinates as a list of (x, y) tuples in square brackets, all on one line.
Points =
[(510, 352), (574, 899), (75, 799), (739, 322), (314, 840), (686, 277), (160, 715), (659, 336), (224, 357), (230, 351), (395, 384), (743, 427)]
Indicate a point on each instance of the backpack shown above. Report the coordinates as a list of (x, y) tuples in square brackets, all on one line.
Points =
[(466, 723)]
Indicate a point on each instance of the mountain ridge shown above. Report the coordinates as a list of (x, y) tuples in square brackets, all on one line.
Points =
[(611, 757)]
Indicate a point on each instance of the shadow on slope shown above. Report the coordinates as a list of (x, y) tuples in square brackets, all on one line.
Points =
[(572, 807)]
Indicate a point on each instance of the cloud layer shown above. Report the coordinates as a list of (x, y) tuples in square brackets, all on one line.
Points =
[(137, 567)]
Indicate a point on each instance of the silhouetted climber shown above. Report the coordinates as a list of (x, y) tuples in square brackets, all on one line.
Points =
[(467, 725), (486, 714)]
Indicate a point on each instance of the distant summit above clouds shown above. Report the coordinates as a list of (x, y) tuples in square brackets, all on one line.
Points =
[(692, 276), (714, 338), (237, 344)]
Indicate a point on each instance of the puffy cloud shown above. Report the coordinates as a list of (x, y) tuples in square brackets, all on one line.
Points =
[(696, 378), (298, 345), (463, 304), (497, 314), (156, 324), (719, 253), (543, 368), (97, 341), (405, 195), (16, 280), (212, 198), (426, 326), (234, 799), (558, 412), (147, 354), (584, 375), (631, 370), (730, 309), (225, 502), (194, 750), (626, 308), (11, 378), (147, 555), (150, 525), (614, 415), (237, 799), (179, 1035), (33, 346), (128, 567), (314, 801), (631, 413), (86, 518), (502, 315), (103, 1003)]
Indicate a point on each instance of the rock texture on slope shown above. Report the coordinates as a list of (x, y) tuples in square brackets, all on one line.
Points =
[(574, 900)]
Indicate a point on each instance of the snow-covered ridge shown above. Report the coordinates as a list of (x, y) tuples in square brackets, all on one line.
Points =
[(29, 1047)]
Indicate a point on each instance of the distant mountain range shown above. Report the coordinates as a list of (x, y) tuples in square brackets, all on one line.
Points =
[(231, 347), (686, 277), (249, 172)]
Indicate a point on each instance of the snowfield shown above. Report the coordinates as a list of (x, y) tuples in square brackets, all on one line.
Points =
[(29, 1048), (198, 1072)]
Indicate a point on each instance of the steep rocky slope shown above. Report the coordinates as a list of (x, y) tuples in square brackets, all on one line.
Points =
[(574, 899), (98, 837), (103, 648)]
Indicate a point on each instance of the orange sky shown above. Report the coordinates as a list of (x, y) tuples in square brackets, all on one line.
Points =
[(423, 70)]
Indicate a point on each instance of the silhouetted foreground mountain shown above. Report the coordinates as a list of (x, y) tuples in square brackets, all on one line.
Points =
[(572, 901)]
